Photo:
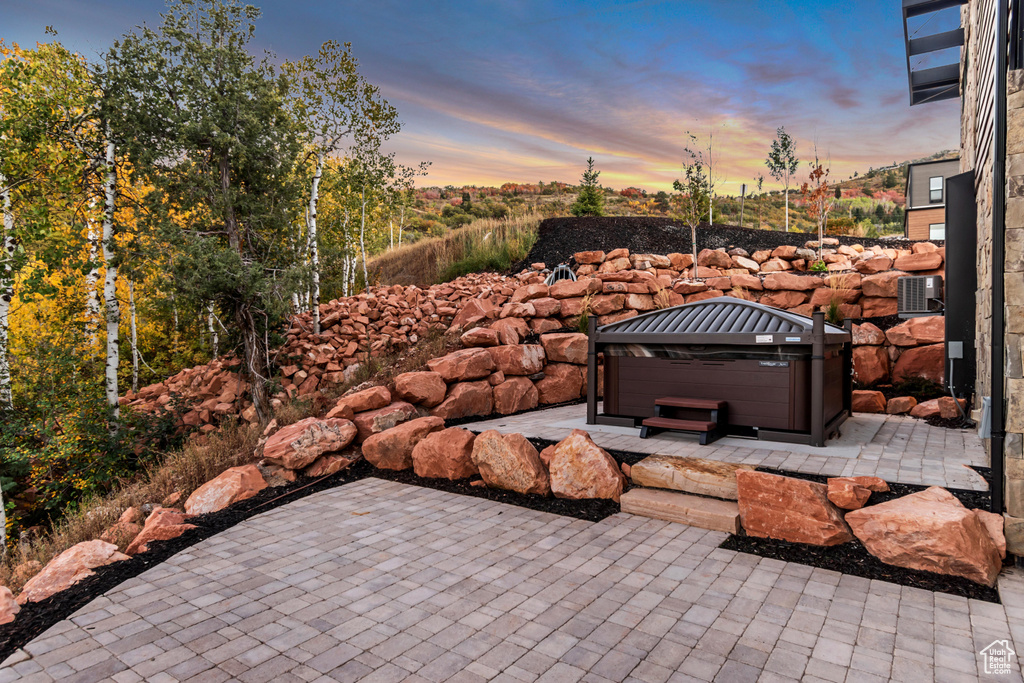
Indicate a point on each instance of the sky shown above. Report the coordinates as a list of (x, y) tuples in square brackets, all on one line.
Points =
[(496, 91)]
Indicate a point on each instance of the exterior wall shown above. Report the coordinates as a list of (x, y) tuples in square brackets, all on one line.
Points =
[(976, 149), (920, 220), (917, 194)]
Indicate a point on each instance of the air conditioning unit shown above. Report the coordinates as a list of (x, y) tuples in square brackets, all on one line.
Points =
[(919, 295)]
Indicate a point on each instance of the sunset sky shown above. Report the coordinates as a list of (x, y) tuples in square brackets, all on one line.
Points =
[(521, 90)]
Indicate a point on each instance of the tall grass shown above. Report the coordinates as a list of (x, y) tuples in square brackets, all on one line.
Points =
[(485, 244)]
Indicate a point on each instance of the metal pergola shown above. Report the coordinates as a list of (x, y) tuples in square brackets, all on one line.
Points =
[(938, 82)]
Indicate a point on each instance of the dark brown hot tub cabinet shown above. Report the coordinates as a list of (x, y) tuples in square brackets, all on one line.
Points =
[(786, 377)]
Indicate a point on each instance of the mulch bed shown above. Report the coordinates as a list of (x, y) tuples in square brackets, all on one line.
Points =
[(559, 238)]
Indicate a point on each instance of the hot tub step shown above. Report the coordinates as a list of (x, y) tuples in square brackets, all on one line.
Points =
[(704, 513), (690, 475)]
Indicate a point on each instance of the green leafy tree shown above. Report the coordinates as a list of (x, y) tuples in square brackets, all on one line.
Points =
[(782, 162), (695, 194), (590, 200), (208, 126)]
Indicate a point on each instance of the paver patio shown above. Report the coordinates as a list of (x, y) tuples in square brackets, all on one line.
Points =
[(379, 581), (893, 447)]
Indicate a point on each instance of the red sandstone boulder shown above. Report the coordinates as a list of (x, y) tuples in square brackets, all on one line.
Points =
[(510, 462), (298, 445), (918, 331), (479, 336), (922, 261), (231, 486), (473, 311), (603, 304), (125, 529), (462, 365), (948, 408), (873, 484), (562, 382), (689, 287), (522, 359), (546, 307), (465, 399), (773, 506), (865, 401), (445, 454), (993, 524), (529, 293), (162, 524), (342, 412), (846, 494), (392, 448), (920, 361), (930, 530), (424, 388), (925, 409), (514, 395), (589, 257), (881, 284), (579, 469), (800, 283), (68, 568), (567, 289), (376, 421), (9, 607), (784, 251), (511, 330), (326, 465), (867, 334), (712, 258), (367, 399), (877, 307), (870, 365), (785, 299), (900, 405), (680, 262), (873, 265), (566, 347)]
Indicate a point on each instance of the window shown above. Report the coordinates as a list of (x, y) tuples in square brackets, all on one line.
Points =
[(937, 231), (935, 190)]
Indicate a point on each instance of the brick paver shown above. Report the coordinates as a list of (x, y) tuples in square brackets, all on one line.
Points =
[(379, 581), (903, 449)]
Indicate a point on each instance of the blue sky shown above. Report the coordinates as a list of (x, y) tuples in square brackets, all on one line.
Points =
[(522, 90)]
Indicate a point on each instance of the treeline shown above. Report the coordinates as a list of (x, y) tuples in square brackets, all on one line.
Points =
[(174, 199)]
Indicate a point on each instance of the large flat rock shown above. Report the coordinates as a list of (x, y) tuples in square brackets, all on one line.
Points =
[(692, 475), (704, 513)]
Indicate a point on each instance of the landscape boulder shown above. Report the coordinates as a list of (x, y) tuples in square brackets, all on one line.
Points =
[(948, 408), (473, 311), (788, 509), (868, 334), (367, 399), (392, 448), (870, 365), (776, 281), (480, 336), (566, 347), (930, 530), (510, 462), (562, 382), (847, 494), (929, 329), (511, 330), (125, 529), (514, 395), (568, 289), (866, 401), (521, 359), (9, 607), (462, 365), (925, 409), (881, 284), (68, 568), (327, 465), (162, 524), (230, 486), (900, 405), (920, 361), (464, 400), (376, 421), (445, 454), (424, 388), (921, 261), (298, 445), (580, 469)]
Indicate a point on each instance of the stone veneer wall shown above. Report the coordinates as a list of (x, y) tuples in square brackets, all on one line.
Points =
[(976, 101)]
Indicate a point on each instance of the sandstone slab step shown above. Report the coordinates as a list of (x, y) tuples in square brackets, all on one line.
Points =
[(692, 475), (704, 513)]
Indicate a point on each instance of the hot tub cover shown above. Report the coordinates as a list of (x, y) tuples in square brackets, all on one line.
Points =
[(722, 320)]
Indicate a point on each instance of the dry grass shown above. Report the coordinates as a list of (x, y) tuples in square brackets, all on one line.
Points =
[(484, 241)]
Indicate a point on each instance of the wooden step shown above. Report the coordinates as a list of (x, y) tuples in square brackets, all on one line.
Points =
[(704, 513), (684, 425), (696, 403), (692, 475)]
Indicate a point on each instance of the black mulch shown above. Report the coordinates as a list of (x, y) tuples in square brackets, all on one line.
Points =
[(559, 238)]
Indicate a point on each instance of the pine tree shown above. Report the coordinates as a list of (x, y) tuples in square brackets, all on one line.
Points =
[(590, 200)]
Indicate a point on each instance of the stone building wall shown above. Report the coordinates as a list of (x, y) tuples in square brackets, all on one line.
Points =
[(977, 103)]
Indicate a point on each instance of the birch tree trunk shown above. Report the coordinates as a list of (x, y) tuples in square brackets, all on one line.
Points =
[(92, 301), (214, 335), (135, 346), (787, 208), (311, 241), (362, 242), (401, 225), (110, 282), (6, 296)]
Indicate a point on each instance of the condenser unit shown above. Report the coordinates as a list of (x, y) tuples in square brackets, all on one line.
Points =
[(919, 295)]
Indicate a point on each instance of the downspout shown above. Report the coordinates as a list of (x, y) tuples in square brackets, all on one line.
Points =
[(998, 352)]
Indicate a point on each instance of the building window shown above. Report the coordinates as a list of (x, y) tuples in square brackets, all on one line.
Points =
[(935, 190), (937, 231)]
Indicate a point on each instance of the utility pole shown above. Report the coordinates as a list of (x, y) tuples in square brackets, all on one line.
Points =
[(743, 194)]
